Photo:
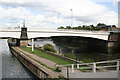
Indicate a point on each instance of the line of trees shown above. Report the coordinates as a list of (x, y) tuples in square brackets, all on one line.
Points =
[(98, 27)]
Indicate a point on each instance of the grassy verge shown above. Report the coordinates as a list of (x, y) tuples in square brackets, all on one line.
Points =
[(46, 56)]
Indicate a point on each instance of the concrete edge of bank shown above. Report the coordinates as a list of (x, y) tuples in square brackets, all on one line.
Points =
[(39, 70)]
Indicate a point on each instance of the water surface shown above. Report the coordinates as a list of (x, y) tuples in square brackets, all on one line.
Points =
[(11, 67)]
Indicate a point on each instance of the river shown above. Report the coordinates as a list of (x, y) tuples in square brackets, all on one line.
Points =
[(11, 67)]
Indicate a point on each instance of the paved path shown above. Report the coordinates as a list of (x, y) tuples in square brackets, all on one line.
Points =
[(49, 63)]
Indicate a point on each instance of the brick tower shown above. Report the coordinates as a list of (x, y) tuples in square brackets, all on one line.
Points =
[(23, 37)]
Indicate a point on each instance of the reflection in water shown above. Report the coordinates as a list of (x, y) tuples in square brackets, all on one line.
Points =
[(11, 67), (68, 48)]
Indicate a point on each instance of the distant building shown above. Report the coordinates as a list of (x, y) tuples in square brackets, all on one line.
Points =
[(105, 27)]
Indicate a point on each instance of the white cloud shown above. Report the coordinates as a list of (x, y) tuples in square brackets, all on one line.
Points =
[(84, 12)]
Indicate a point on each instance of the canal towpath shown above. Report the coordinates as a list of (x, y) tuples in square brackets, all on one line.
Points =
[(49, 63)]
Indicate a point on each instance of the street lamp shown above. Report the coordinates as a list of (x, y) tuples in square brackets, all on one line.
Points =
[(23, 23), (71, 17)]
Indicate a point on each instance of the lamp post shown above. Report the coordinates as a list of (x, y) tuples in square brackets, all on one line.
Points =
[(23, 23), (71, 17)]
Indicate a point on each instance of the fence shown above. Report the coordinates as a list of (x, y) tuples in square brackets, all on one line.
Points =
[(96, 66)]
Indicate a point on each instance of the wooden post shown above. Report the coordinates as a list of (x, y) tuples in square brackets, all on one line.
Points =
[(32, 44), (94, 67)]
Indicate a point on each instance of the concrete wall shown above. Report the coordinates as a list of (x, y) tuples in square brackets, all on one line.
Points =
[(39, 70)]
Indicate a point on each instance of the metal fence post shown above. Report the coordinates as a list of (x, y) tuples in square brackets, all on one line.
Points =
[(118, 64), (94, 67), (72, 68)]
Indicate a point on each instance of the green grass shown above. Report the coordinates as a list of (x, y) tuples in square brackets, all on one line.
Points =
[(46, 56)]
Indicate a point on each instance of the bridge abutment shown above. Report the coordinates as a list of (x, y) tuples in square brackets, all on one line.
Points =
[(114, 42)]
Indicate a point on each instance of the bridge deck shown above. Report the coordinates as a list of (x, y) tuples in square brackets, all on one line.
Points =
[(103, 35)]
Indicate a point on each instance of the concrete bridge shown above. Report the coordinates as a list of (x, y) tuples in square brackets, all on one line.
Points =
[(112, 38), (34, 33)]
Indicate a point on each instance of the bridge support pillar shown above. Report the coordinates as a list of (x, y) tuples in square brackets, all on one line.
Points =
[(114, 42), (23, 37)]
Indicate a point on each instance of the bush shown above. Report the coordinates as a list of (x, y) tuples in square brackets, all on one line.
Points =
[(49, 47)]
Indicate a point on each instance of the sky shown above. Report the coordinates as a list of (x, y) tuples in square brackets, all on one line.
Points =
[(55, 13)]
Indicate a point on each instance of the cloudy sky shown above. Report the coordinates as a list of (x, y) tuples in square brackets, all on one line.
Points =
[(45, 13)]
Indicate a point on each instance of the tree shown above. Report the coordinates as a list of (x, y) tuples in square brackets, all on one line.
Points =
[(114, 26), (83, 26), (68, 27), (101, 24), (61, 27), (92, 26), (97, 28), (49, 47)]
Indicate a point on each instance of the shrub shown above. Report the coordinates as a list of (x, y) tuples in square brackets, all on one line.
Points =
[(49, 47)]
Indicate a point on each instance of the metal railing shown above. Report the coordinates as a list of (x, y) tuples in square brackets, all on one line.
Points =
[(96, 66)]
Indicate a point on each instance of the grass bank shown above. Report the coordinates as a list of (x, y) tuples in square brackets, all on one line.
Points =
[(46, 56)]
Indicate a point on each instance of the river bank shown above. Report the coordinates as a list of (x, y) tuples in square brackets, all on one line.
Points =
[(32, 64)]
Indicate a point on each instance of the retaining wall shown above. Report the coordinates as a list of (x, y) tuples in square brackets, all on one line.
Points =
[(39, 70)]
